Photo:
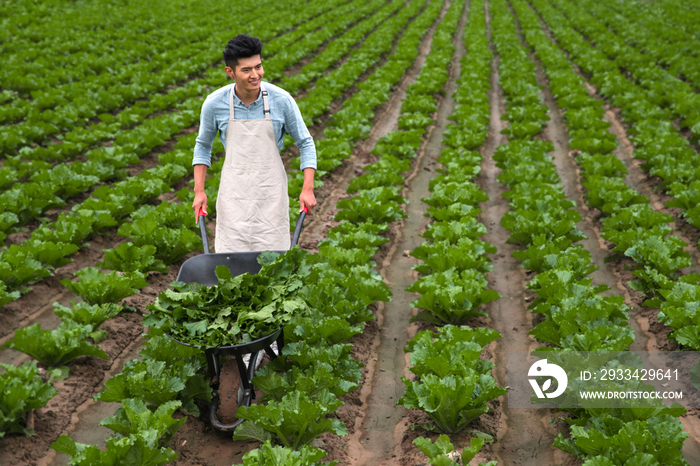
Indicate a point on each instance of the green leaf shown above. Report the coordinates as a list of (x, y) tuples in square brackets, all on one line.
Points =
[(267, 455), (86, 314)]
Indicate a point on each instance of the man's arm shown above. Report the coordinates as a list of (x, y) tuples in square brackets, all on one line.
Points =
[(296, 128), (200, 197), (307, 198), (202, 156)]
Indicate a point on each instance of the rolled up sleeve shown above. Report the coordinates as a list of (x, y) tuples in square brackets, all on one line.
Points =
[(294, 124), (205, 138)]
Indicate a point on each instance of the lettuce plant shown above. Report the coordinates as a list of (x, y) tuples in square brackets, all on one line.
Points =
[(55, 348), (128, 257), (294, 421), (267, 455), (452, 402), (21, 390), (442, 453), (96, 287)]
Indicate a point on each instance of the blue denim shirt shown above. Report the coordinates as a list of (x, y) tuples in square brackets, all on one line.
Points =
[(284, 112)]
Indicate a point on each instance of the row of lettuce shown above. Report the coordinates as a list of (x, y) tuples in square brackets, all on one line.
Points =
[(671, 46), (314, 341), (638, 232), (649, 100), (25, 263), (52, 187), (280, 53), (55, 109), (451, 383), (577, 316), (636, 51)]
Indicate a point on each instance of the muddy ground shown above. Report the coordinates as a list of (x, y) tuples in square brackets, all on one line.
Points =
[(378, 432)]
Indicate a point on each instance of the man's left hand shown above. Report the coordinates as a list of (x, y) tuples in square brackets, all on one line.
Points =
[(307, 199)]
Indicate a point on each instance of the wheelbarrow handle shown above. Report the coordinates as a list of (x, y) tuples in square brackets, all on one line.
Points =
[(205, 241), (297, 229), (203, 230)]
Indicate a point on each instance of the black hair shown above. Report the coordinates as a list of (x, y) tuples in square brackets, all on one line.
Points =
[(241, 46)]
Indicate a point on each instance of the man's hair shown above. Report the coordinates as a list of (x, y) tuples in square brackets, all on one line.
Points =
[(241, 46)]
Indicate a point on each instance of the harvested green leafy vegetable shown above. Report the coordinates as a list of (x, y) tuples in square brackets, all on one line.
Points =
[(237, 309)]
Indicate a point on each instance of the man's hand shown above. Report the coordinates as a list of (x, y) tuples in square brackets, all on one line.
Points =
[(307, 198), (200, 202)]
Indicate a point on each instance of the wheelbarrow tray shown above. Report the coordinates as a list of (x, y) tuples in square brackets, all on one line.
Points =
[(202, 268)]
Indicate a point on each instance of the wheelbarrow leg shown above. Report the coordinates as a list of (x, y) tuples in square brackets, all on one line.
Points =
[(280, 341), (246, 374), (243, 370), (214, 363)]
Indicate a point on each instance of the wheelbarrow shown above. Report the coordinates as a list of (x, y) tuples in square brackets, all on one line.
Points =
[(201, 269)]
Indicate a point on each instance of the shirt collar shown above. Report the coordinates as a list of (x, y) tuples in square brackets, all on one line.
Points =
[(237, 101)]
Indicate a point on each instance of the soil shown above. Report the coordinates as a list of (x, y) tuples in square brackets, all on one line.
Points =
[(379, 432), (523, 436), (651, 335)]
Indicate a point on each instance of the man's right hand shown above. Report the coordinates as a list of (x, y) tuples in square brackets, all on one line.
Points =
[(200, 202)]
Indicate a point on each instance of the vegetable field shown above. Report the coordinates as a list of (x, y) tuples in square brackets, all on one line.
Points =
[(493, 176)]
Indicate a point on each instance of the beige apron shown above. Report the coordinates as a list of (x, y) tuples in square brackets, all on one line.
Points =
[(252, 207)]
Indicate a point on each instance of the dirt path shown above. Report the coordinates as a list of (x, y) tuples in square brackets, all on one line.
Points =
[(36, 306), (205, 446), (650, 334), (525, 436), (378, 440)]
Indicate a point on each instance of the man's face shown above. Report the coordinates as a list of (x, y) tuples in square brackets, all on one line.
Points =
[(248, 73)]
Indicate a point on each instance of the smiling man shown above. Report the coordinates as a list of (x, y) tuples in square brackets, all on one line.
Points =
[(252, 206)]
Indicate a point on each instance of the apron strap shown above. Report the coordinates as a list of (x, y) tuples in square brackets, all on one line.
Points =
[(266, 104), (230, 104)]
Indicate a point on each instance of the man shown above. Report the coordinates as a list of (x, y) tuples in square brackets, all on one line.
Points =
[(252, 207)]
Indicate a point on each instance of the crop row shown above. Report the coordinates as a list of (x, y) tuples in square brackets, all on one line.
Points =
[(280, 54), (576, 315), (327, 280), (667, 153), (51, 187), (452, 384), (638, 232), (74, 227), (631, 224), (83, 104), (668, 44), (663, 87)]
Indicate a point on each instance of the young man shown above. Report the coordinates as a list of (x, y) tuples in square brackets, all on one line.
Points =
[(252, 207)]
